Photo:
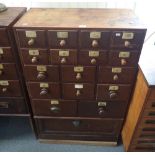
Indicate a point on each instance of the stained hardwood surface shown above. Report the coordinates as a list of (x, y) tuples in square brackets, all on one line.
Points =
[(135, 109), (80, 18)]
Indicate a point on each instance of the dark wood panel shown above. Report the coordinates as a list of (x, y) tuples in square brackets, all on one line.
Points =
[(4, 39)]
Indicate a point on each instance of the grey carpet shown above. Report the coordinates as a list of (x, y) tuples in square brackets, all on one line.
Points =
[(16, 136)]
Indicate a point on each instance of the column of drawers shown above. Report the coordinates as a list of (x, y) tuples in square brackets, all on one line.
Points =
[(12, 96), (79, 77)]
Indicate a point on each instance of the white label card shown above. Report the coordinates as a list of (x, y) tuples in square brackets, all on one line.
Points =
[(124, 54), (78, 69), (62, 34), (31, 34), (4, 83), (116, 70), (1, 51), (54, 102), (128, 35), (113, 87), (44, 85), (95, 35), (79, 86), (102, 104), (41, 68), (64, 53), (33, 52), (93, 53)]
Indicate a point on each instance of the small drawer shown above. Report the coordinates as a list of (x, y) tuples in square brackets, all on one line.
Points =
[(78, 73), (113, 92), (64, 57), (10, 88), (127, 39), (94, 39), (54, 107), (62, 39), (105, 109), (124, 58), (4, 41), (35, 56), (31, 38), (6, 55), (43, 90), (78, 91), (150, 104), (50, 125), (92, 57), (8, 72), (41, 73), (123, 75), (13, 106)]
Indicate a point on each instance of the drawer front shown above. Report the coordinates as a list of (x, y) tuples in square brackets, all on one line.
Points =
[(67, 57), (94, 39), (43, 90), (113, 92), (8, 72), (108, 126), (13, 106), (10, 89), (116, 74), (62, 39), (31, 38), (127, 39), (152, 94), (150, 104), (78, 91), (105, 109), (6, 55), (92, 57), (78, 73), (4, 40), (123, 58), (41, 73), (35, 56), (54, 107)]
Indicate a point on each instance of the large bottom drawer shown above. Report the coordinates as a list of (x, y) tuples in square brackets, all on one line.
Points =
[(49, 125), (107, 130), (12, 106)]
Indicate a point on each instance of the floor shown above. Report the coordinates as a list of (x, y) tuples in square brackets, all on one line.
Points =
[(16, 136)]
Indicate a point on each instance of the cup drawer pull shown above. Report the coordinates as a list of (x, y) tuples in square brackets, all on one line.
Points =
[(55, 109)]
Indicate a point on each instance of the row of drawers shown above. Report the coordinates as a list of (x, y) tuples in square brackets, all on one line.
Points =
[(85, 39), (76, 74), (85, 57), (79, 91), (72, 108), (70, 57)]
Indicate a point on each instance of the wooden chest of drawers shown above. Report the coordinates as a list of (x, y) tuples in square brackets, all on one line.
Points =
[(79, 66), (12, 91), (138, 133)]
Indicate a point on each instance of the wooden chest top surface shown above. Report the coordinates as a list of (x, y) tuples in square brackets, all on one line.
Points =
[(7, 17), (80, 18)]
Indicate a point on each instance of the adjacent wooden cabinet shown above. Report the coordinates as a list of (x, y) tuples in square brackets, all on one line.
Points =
[(80, 66), (138, 133), (13, 96)]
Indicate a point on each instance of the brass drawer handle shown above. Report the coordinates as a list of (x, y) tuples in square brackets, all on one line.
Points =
[(76, 123), (34, 60), (78, 76), (115, 77), (4, 90), (112, 94), (55, 109), (78, 93), (94, 43), (101, 111), (127, 43), (41, 75), (44, 91), (31, 42), (123, 62), (63, 60), (93, 61), (62, 43)]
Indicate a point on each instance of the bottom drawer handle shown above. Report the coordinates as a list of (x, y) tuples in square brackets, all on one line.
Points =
[(76, 123), (101, 111), (4, 90), (78, 93), (44, 91), (55, 109), (113, 94)]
